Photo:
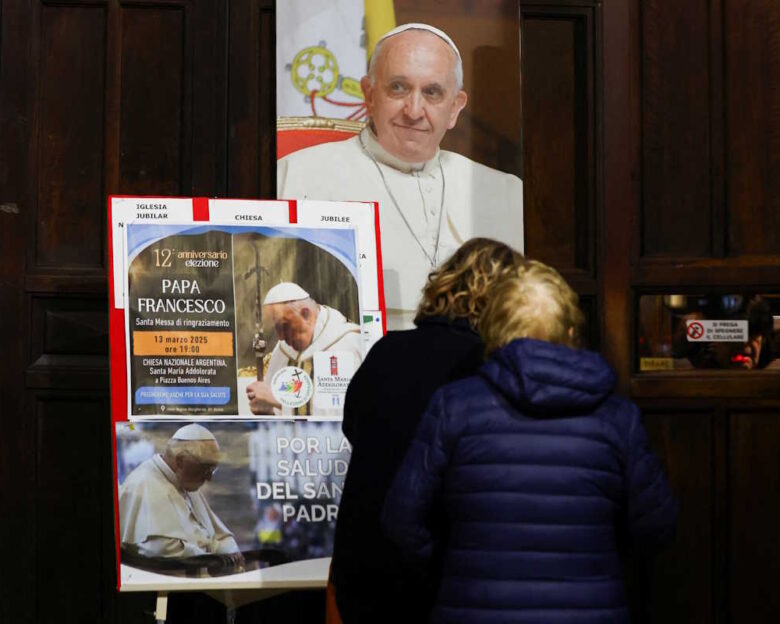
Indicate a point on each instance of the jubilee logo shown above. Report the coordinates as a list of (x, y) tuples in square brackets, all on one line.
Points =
[(292, 386)]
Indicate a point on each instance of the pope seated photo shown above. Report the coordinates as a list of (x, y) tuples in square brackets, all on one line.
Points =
[(163, 514)]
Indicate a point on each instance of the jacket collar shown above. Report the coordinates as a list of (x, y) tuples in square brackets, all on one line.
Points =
[(459, 323)]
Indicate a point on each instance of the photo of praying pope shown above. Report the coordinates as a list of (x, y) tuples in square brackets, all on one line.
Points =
[(298, 338), (305, 329), (162, 513), (220, 498), (430, 200)]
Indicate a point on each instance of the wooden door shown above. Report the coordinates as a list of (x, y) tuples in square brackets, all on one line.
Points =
[(692, 203), (651, 166), (95, 98)]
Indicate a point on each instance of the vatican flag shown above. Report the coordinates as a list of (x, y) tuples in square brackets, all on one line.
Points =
[(321, 52), (380, 18)]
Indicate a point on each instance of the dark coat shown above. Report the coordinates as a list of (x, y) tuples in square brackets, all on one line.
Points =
[(545, 476), (384, 405)]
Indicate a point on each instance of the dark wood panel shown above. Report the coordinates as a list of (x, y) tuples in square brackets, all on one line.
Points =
[(591, 339), (414, 10), (755, 516), (760, 272), (619, 211), (15, 242), (252, 102), (679, 582), (71, 513), (558, 141), (69, 326), (244, 104), (155, 102), (205, 61), (14, 130), (490, 127), (267, 143), (752, 43), (95, 282), (69, 343), (15, 477), (676, 216), (707, 384), (69, 185)]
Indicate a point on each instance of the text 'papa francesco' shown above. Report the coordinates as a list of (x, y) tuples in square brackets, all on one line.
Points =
[(179, 305)]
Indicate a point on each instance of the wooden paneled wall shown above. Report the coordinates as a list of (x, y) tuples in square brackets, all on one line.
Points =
[(651, 161), (101, 97), (703, 213), (562, 143)]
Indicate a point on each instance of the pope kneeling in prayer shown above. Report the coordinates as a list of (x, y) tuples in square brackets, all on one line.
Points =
[(304, 327), (430, 201), (162, 513)]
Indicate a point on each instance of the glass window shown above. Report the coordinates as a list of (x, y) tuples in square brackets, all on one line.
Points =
[(733, 331)]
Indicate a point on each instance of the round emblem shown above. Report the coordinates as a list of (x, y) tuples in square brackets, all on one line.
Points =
[(292, 386)]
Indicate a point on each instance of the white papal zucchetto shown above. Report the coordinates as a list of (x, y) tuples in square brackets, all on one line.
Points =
[(418, 26), (284, 292), (193, 432)]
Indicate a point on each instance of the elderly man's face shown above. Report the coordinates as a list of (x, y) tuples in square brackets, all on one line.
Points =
[(414, 99), (193, 470), (295, 327)]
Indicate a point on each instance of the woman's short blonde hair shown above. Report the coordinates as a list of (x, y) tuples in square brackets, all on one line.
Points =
[(534, 301), (459, 287)]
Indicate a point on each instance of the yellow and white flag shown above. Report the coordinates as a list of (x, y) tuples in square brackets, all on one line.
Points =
[(321, 52)]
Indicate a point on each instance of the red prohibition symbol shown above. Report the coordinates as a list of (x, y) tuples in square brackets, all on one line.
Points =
[(695, 330)]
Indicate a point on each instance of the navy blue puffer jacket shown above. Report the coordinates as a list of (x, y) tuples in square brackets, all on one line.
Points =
[(544, 476)]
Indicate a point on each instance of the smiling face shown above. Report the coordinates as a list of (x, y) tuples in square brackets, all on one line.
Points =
[(413, 99)]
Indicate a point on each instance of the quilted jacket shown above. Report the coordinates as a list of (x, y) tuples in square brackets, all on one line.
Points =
[(545, 478)]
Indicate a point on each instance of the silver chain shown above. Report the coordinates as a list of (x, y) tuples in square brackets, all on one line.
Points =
[(432, 260)]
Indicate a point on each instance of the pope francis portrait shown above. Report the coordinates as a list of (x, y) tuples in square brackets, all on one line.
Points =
[(162, 513), (304, 328), (430, 200)]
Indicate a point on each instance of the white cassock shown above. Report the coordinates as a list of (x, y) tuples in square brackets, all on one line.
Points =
[(333, 333), (163, 520), (478, 202)]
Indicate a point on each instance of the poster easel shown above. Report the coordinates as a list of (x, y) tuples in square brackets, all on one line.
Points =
[(133, 218)]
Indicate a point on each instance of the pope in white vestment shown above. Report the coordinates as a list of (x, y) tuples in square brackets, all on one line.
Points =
[(332, 333), (430, 201), (164, 520), (477, 201), (305, 329)]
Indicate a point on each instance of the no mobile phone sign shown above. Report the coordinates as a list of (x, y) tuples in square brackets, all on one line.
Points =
[(716, 331)]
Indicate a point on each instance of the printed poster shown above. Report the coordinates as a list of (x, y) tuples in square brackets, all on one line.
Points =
[(219, 314), (207, 298), (261, 510)]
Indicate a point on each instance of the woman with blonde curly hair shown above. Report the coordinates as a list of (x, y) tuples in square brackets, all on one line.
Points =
[(384, 404)]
